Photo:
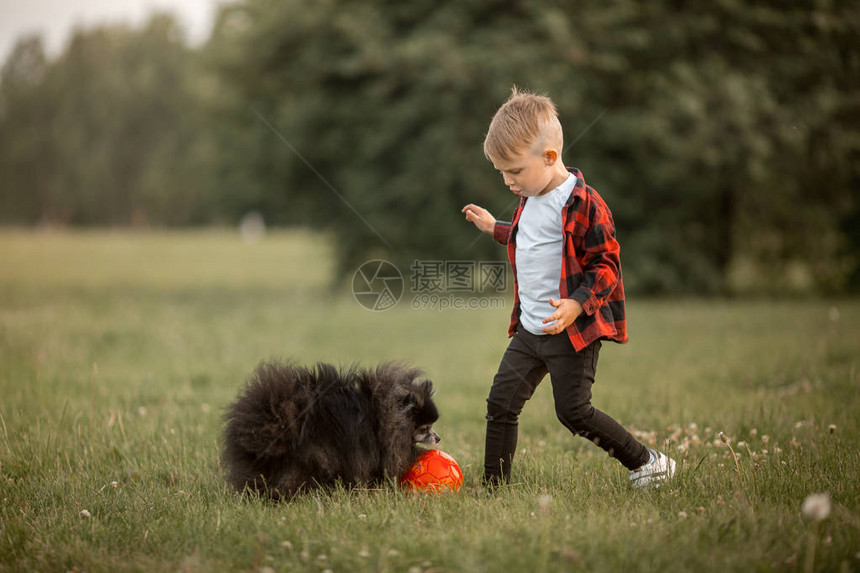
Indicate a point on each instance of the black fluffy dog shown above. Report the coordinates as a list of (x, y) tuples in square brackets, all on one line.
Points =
[(292, 429)]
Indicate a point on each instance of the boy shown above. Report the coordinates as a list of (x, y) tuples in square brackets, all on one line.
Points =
[(568, 294)]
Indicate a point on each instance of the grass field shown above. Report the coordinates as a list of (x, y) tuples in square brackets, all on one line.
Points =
[(118, 352)]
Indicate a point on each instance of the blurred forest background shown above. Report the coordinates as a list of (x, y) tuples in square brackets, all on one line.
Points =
[(724, 135)]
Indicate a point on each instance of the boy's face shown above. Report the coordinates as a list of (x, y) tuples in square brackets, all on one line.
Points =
[(527, 173)]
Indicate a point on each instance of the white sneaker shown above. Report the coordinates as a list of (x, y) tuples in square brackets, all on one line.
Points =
[(660, 468)]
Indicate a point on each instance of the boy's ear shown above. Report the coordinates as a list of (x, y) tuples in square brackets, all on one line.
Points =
[(550, 156)]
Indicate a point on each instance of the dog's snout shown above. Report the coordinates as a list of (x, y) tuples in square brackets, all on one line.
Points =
[(428, 437)]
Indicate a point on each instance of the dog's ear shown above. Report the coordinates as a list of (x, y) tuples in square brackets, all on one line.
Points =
[(419, 392), (424, 388), (425, 411)]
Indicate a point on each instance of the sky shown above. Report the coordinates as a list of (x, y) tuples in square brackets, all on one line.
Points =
[(55, 19)]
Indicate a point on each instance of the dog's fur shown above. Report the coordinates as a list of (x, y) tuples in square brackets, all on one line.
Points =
[(292, 429)]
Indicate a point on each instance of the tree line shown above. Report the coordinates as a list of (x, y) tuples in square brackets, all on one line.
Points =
[(725, 136)]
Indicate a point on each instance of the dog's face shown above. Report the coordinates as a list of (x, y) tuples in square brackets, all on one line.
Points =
[(426, 435), (424, 413)]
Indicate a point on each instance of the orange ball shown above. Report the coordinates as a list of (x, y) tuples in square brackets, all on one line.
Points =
[(434, 470)]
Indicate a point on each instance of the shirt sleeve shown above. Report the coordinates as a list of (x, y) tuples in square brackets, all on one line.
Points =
[(600, 259), (502, 232)]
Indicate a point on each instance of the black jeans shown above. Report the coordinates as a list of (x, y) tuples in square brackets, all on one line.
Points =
[(526, 361)]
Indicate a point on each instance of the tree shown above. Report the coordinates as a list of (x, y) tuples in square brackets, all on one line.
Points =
[(108, 133)]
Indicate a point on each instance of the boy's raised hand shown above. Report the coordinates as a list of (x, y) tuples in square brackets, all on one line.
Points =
[(480, 217), (566, 311)]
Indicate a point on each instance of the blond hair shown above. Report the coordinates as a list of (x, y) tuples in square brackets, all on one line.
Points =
[(524, 120)]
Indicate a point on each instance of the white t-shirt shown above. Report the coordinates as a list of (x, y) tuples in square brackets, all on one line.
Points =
[(539, 248)]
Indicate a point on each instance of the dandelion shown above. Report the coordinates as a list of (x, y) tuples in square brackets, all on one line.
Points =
[(765, 439), (114, 484), (832, 428), (682, 514), (85, 514), (544, 501), (816, 507)]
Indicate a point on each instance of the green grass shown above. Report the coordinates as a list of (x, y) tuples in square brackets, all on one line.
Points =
[(119, 350)]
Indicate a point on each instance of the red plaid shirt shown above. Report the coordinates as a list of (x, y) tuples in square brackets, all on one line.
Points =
[(590, 269)]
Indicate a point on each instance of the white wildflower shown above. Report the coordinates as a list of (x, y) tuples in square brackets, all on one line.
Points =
[(816, 507)]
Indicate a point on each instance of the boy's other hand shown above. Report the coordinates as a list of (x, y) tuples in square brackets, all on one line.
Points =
[(566, 312), (480, 217)]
